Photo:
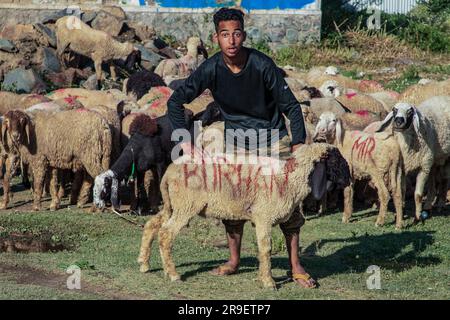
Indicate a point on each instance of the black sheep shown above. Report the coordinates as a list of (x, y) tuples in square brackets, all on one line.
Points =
[(141, 82)]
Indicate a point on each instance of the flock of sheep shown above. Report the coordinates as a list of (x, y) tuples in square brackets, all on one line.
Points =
[(71, 136)]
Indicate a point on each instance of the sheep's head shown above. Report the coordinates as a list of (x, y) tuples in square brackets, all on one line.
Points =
[(328, 129), (210, 115), (106, 187), (134, 60), (331, 89), (16, 126), (402, 116)]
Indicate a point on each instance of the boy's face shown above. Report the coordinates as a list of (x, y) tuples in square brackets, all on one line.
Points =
[(230, 37)]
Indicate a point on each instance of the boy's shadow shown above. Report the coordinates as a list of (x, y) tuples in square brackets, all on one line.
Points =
[(388, 251)]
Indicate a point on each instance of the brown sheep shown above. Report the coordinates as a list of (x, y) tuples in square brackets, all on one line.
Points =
[(75, 139)]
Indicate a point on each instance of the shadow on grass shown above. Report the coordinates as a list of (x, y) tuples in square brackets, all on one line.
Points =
[(391, 251)]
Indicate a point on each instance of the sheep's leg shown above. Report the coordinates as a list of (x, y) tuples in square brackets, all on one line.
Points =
[(98, 70), (431, 191), (142, 198), (421, 180), (348, 203), (76, 185), (112, 70), (24, 173), (62, 178), (264, 238), (54, 205), (151, 229), (39, 179), (6, 182), (398, 192), (85, 190), (167, 234), (2, 162), (384, 197)]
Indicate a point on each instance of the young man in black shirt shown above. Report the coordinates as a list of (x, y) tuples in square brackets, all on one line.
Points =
[(252, 94)]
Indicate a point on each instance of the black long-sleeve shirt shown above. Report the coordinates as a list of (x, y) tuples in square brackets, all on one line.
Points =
[(254, 98)]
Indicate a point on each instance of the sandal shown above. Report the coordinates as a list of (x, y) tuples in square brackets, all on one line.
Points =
[(302, 276)]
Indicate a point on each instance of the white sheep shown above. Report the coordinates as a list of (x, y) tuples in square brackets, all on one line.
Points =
[(370, 156), (418, 93), (423, 134)]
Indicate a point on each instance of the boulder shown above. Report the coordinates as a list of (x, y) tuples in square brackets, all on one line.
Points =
[(50, 62), (48, 34), (152, 59), (88, 17), (108, 23), (7, 46), (23, 81), (18, 32)]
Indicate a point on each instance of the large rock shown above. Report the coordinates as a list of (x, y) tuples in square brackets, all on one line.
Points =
[(7, 46), (48, 33), (142, 31), (149, 56), (87, 17), (18, 32), (50, 62), (116, 11), (108, 23), (53, 17), (23, 81)]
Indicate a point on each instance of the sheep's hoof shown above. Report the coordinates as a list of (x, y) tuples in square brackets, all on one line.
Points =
[(3, 206), (54, 207), (145, 267), (269, 284), (175, 277), (345, 220), (399, 226), (379, 223)]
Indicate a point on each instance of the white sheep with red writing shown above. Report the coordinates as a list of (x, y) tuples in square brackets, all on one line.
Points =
[(423, 134), (237, 192), (370, 156)]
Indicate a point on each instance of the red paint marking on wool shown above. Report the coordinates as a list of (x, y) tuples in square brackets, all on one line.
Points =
[(188, 174), (362, 113), (364, 148), (350, 95)]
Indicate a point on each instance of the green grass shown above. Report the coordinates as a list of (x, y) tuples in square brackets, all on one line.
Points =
[(414, 263)]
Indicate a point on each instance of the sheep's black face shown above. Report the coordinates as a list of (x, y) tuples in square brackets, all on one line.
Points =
[(403, 115), (104, 189), (133, 61)]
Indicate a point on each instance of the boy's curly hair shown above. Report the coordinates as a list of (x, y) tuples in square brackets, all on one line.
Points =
[(227, 14)]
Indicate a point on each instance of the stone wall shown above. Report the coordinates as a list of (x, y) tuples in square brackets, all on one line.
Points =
[(277, 27)]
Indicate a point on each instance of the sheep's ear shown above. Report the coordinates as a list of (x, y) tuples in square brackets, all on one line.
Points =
[(339, 137), (416, 120), (386, 121)]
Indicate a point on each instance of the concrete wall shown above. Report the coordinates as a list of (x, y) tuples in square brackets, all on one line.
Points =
[(277, 27)]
